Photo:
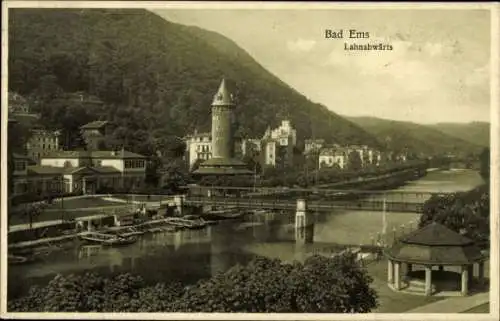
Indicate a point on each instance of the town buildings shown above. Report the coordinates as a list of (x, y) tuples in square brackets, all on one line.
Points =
[(338, 156), (94, 134), (41, 142), (313, 145), (223, 160), (277, 145), (77, 172), (333, 157), (198, 147)]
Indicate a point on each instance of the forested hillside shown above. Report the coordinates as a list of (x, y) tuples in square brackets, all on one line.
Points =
[(474, 132), (398, 135), (154, 78)]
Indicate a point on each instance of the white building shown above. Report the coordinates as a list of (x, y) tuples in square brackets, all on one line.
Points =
[(198, 146), (333, 157), (285, 134), (277, 145), (42, 142), (85, 172), (313, 145)]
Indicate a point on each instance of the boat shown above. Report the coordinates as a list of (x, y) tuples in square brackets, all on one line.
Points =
[(107, 239), (125, 231), (259, 212), (16, 259), (224, 214), (189, 221)]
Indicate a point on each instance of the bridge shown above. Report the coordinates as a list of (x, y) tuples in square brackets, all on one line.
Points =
[(322, 205), (260, 191), (403, 201)]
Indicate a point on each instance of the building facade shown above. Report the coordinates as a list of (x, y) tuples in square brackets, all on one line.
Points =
[(313, 145), (198, 147), (277, 145), (94, 134), (333, 157), (81, 172), (42, 142), (20, 174)]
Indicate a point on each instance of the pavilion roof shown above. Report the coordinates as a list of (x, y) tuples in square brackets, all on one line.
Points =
[(435, 234), (435, 244)]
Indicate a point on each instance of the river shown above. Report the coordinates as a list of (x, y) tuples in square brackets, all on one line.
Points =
[(190, 255)]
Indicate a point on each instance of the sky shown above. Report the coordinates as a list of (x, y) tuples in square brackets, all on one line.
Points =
[(438, 70)]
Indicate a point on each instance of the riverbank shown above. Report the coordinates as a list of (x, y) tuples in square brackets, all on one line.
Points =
[(191, 255)]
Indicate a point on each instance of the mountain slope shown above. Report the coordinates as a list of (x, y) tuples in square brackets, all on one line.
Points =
[(398, 135), (155, 78), (474, 132)]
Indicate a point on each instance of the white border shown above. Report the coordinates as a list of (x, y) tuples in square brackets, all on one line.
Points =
[(494, 143)]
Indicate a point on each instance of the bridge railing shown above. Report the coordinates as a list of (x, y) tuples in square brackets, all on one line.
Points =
[(364, 205)]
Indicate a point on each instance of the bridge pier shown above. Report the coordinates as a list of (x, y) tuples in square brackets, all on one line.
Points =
[(303, 223)]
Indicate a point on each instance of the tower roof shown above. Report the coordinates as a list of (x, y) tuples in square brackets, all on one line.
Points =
[(222, 97)]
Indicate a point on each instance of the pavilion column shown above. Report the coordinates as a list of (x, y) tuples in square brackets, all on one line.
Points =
[(390, 271), (409, 268), (428, 280), (480, 271), (470, 271), (465, 280), (397, 278)]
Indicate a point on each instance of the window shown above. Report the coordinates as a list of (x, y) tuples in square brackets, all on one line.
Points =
[(134, 163), (20, 166)]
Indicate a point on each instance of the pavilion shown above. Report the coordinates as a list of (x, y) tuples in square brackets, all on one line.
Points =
[(434, 245)]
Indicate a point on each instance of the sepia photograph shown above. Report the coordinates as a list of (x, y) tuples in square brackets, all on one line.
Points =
[(249, 160)]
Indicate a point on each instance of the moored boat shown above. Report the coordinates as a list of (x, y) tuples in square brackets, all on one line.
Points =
[(225, 214), (107, 239), (16, 259), (189, 221)]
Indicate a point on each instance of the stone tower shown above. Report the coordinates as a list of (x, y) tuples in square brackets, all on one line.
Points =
[(223, 161), (222, 123)]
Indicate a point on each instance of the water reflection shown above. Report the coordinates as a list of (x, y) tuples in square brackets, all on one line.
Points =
[(190, 255)]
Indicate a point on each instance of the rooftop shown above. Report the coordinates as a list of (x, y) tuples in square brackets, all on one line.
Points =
[(20, 156), (222, 166), (54, 170), (106, 154), (95, 124), (222, 97), (115, 154), (435, 234), (437, 245)]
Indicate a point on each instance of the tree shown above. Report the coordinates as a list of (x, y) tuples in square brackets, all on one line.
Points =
[(319, 285), (354, 162), (466, 212), (484, 159)]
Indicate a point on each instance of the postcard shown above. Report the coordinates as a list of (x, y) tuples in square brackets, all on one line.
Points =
[(249, 160)]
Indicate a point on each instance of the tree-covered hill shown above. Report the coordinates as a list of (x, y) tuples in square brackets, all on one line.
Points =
[(474, 132), (398, 135), (154, 78)]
